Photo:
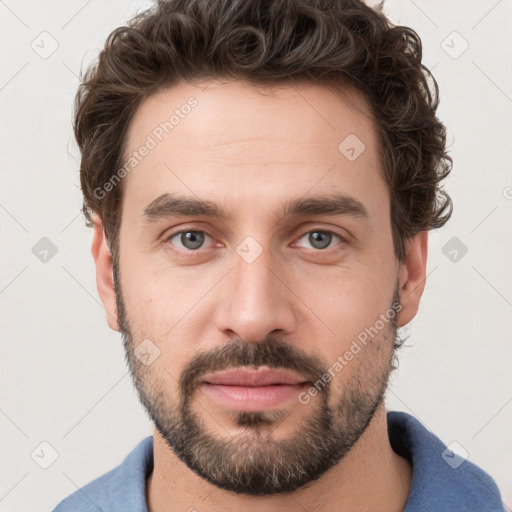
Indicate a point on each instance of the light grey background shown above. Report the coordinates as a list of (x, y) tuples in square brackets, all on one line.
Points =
[(63, 379)]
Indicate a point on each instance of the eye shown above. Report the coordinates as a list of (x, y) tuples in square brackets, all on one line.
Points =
[(320, 239), (189, 240)]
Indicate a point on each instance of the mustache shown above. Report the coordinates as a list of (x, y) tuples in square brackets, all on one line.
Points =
[(272, 353)]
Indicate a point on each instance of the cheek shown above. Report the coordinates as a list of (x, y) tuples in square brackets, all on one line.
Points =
[(343, 307), (347, 298), (162, 295), (168, 306)]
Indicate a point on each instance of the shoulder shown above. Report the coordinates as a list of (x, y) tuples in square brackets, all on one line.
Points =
[(122, 488), (442, 479)]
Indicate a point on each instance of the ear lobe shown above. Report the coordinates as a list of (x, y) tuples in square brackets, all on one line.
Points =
[(412, 277), (104, 273)]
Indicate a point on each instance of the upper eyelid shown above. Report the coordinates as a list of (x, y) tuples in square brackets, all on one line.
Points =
[(172, 233)]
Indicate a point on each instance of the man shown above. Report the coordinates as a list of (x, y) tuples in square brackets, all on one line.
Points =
[(261, 178)]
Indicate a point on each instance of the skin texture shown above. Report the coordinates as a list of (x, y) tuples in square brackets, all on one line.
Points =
[(252, 152)]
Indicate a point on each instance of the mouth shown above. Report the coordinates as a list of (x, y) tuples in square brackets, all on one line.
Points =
[(252, 390)]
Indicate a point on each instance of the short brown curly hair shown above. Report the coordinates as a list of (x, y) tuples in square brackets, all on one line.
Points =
[(330, 42)]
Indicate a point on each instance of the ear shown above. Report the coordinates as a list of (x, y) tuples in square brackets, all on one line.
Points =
[(412, 277), (104, 273)]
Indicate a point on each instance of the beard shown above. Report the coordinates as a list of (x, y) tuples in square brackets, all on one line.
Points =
[(253, 461)]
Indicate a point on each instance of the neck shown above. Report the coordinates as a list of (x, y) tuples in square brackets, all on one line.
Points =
[(370, 477)]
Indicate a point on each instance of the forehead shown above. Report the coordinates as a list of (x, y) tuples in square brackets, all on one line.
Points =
[(230, 142)]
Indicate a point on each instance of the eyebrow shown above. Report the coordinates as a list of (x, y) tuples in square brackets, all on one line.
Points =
[(171, 205)]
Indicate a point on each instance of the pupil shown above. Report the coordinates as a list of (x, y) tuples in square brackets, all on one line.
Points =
[(192, 239), (320, 239)]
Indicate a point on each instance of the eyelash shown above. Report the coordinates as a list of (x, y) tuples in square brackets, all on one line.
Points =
[(192, 252)]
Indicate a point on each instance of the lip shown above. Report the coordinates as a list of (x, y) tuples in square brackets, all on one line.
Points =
[(252, 390), (253, 378)]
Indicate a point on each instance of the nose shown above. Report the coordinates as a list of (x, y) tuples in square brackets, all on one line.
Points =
[(255, 302)]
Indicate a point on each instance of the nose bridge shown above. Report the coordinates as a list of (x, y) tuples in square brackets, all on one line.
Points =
[(254, 301)]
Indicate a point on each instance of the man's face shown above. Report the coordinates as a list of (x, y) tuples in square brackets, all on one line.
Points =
[(277, 290)]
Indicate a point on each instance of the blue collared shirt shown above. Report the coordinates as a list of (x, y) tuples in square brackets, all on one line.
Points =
[(441, 482)]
